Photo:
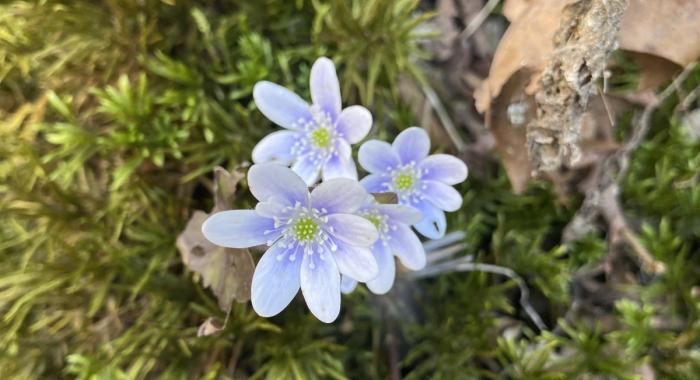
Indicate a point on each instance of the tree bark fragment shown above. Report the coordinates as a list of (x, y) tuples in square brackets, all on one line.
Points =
[(585, 39)]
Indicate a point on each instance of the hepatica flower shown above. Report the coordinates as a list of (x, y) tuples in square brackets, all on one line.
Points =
[(317, 139), (421, 181), (393, 222), (313, 238)]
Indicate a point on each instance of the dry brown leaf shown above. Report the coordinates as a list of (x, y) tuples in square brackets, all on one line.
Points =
[(225, 183), (526, 45), (658, 35), (227, 272), (386, 198), (210, 327), (511, 137), (667, 29)]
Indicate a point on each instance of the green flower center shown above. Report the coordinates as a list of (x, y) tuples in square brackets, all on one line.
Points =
[(374, 219), (321, 138), (305, 229), (403, 181)]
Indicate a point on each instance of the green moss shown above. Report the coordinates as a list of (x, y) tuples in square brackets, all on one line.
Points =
[(113, 115)]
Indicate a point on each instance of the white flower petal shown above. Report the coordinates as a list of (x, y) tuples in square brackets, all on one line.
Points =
[(320, 284), (340, 195), (238, 229), (325, 89), (387, 270), (444, 168), (352, 229), (280, 105), (445, 197), (276, 146), (274, 180), (276, 280), (347, 284), (356, 262), (412, 145), (376, 183), (340, 165), (407, 247), (433, 224), (354, 123), (308, 168), (377, 157), (400, 213)]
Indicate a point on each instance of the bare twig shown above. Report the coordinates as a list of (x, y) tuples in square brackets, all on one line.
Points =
[(465, 264), (476, 21), (444, 117), (604, 200)]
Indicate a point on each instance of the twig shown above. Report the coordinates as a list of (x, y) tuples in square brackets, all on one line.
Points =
[(605, 200), (476, 21), (462, 265), (444, 117)]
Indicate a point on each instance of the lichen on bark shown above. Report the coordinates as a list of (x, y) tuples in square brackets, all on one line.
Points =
[(583, 43)]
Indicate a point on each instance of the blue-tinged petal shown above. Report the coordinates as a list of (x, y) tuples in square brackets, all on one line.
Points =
[(433, 224), (407, 247), (354, 123), (347, 284), (276, 280), (352, 229), (320, 284), (356, 262), (340, 165), (444, 168), (280, 105), (377, 157), (376, 183), (273, 207), (238, 229), (387, 269), (445, 197), (276, 146), (412, 145), (340, 195), (400, 213), (308, 168), (274, 180), (325, 89)]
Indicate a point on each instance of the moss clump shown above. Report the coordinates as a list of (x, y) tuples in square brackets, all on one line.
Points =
[(113, 115)]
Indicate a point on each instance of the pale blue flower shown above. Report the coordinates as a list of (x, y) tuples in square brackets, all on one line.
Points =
[(317, 138), (421, 181), (312, 238), (393, 221)]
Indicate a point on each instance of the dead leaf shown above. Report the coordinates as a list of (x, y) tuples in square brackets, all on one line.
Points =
[(227, 272), (668, 29), (509, 134), (660, 36), (386, 198), (225, 183), (653, 70), (210, 327)]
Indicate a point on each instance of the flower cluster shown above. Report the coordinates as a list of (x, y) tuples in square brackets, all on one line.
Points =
[(327, 240)]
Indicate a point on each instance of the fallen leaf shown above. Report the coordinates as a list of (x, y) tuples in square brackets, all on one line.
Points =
[(225, 183), (227, 272), (661, 36), (509, 129), (668, 29), (386, 198), (210, 327)]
